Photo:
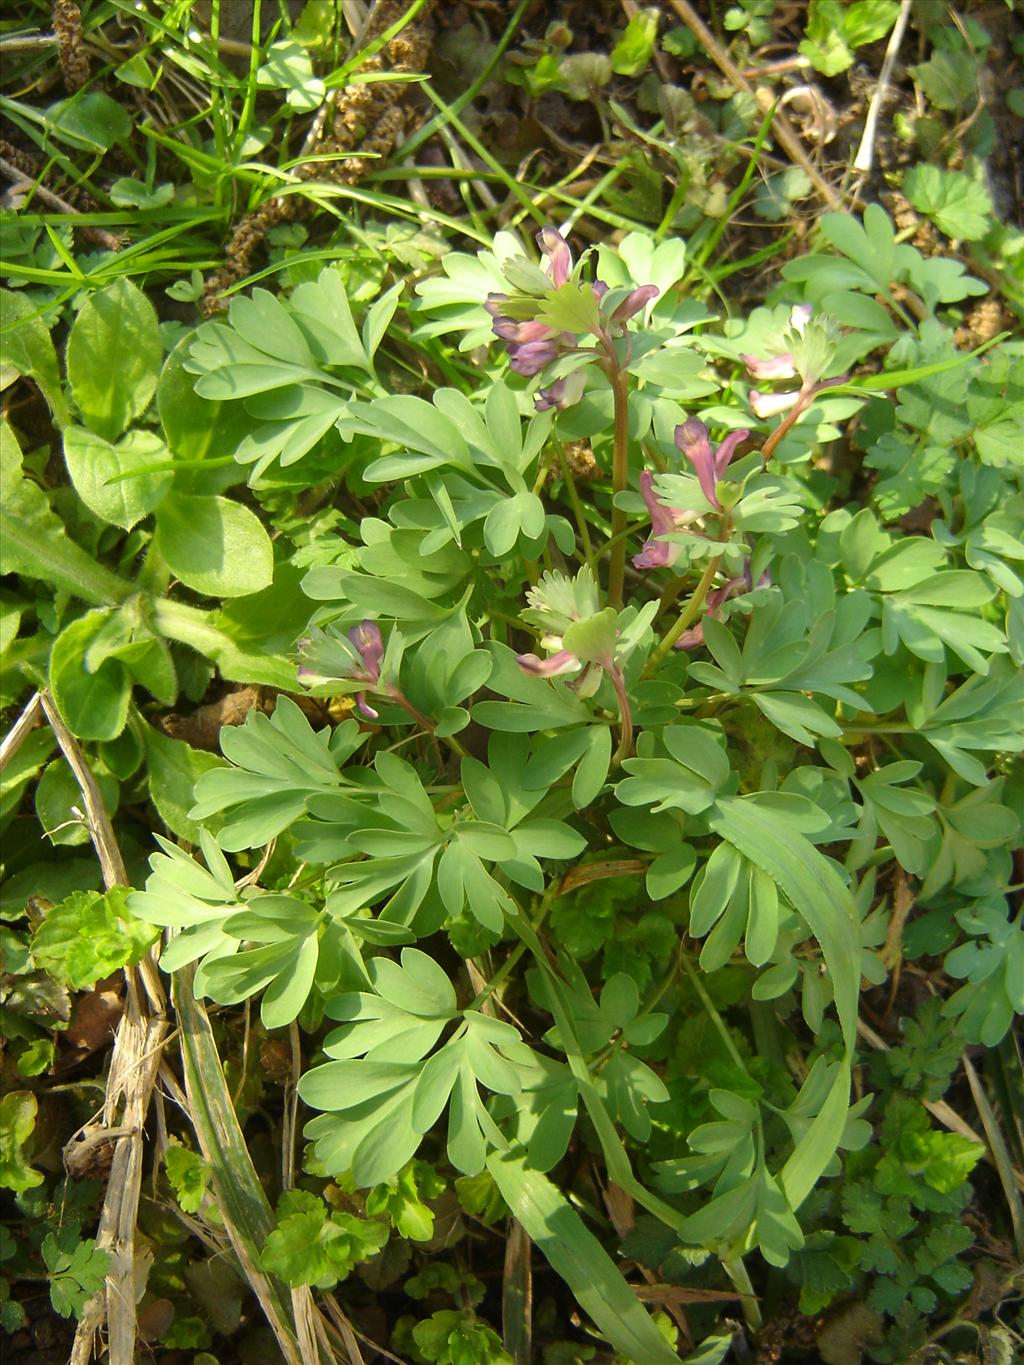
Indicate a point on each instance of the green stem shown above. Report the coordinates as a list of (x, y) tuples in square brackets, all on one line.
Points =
[(551, 894), (620, 478), (686, 618), (609, 546), (865, 731), (712, 1013), (733, 1266), (616, 1158), (424, 721), (625, 747), (740, 1277)]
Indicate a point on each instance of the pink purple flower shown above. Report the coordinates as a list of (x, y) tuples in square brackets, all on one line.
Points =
[(635, 302), (766, 405), (354, 657), (554, 666), (693, 441), (559, 258), (368, 643), (532, 344), (783, 365), (658, 553), (563, 393), (770, 367), (694, 637)]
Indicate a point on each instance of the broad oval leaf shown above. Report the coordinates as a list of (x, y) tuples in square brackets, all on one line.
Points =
[(215, 546), (97, 470), (113, 358)]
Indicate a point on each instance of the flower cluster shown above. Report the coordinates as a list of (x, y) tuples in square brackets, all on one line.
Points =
[(354, 657), (692, 440), (589, 642), (783, 365), (533, 344), (811, 348), (556, 605)]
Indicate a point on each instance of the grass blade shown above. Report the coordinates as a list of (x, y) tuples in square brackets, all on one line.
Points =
[(1000, 1155), (248, 1219), (574, 1252)]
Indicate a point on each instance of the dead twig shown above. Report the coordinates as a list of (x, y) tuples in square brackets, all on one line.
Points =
[(30, 719), (865, 157), (783, 129), (100, 828), (28, 42), (54, 201), (134, 1062), (517, 1295), (1008, 1177)]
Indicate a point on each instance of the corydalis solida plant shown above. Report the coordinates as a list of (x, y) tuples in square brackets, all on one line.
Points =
[(542, 326), (417, 839), (693, 440), (532, 342)]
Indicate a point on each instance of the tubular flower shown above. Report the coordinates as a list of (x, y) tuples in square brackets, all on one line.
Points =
[(562, 664), (694, 637), (657, 553), (368, 643), (693, 441), (559, 258), (355, 657), (563, 393), (770, 367), (782, 366), (557, 603), (635, 302), (533, 344), (765, 405), (554, 666)]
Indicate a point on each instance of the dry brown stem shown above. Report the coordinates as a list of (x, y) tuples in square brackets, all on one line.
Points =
[(783, 129), (368, 116), (67, 28), (134, 1062), (30, 719)]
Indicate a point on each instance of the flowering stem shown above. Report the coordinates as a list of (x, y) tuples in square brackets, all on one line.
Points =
[(686, 617), (625, 715), (424, 721), (620, 477), (804, 398)]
